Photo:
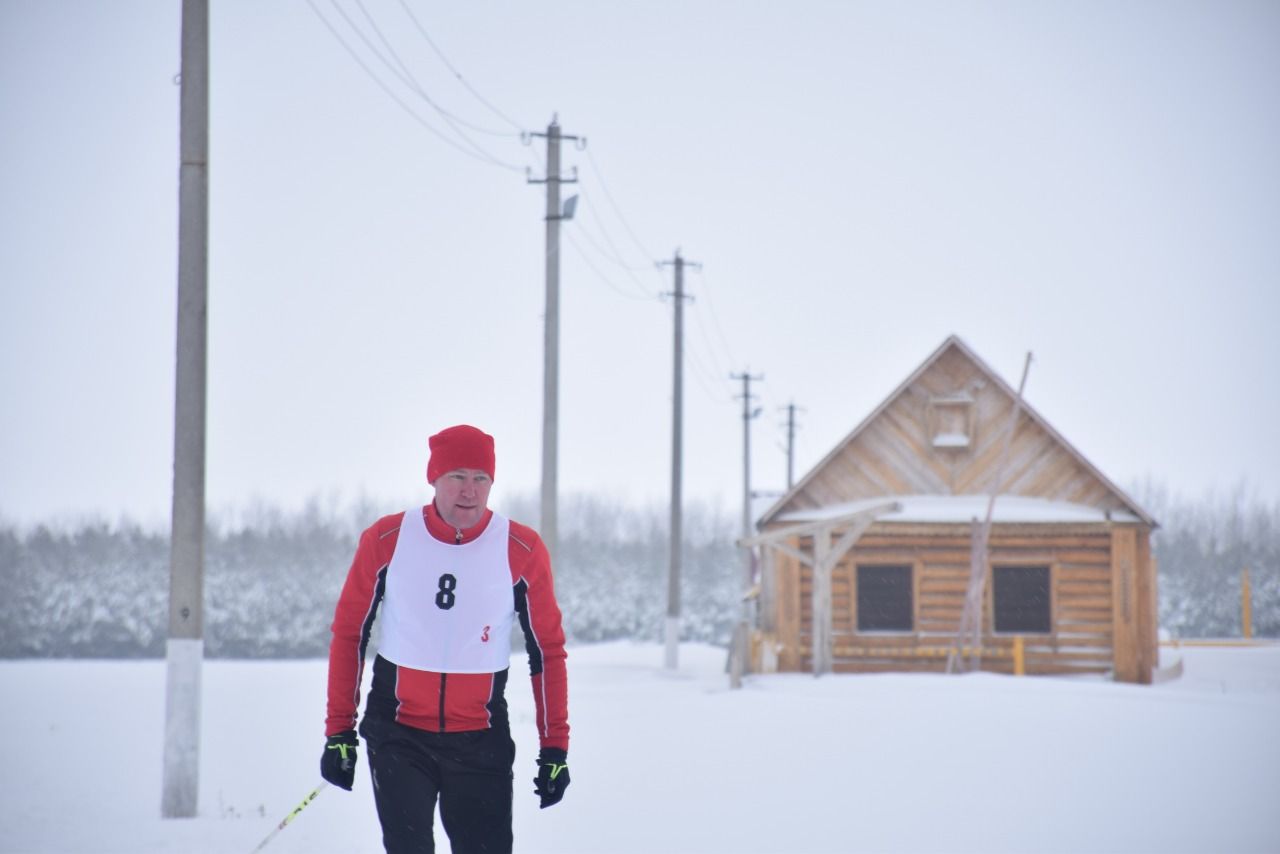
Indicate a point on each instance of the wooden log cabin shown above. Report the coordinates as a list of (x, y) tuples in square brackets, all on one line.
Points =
[(866, 560)]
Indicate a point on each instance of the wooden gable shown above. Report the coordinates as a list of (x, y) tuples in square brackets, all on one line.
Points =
[(942, 433)]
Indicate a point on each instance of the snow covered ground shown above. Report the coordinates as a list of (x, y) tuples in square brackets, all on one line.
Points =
[(675, 762)]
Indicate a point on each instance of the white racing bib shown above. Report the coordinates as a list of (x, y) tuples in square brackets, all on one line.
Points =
[(448, 608)]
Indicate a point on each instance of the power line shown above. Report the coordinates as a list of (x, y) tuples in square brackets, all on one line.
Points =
[(617, 210), (705, 377), (537, 155), (600, 275), (407, 78), (412, 82), (401, 71), (391, 94), (702, 327), (644, 292), (617, 256), (457, 75), (701, 375), (715, 320), (612, 257), (404, 76)]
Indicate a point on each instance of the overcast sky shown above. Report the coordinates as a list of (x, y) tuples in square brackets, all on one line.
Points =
[(1094, 182)]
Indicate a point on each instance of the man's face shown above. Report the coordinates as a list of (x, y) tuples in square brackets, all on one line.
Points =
[(462, 496)]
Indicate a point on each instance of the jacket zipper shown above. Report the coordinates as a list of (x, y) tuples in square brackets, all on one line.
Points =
[(443, 677), (457, 540)]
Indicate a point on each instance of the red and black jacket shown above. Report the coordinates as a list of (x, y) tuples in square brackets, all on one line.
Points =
[(447, 702)]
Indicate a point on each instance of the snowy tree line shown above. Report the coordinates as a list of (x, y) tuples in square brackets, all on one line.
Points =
[(271, 578), (1201, 548)]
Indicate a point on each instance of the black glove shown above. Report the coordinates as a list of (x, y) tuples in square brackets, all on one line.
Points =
[(553, 776), (338, 764)]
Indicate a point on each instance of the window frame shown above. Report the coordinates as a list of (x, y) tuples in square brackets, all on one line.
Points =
[(943, 411), (913, 592), (1051, 573)]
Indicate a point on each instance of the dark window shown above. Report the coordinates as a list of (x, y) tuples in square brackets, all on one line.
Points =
[(884, 599), (1021, 598)]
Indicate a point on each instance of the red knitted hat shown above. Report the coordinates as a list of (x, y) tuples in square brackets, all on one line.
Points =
[(460, 447)]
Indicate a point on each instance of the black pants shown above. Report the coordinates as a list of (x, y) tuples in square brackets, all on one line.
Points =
[(470, 773)]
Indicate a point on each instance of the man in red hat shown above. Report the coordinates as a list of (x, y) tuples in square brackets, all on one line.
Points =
[(451, 579)]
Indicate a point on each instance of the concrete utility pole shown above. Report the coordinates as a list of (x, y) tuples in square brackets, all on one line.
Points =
[(747, 415), (548, 525), (738, 661), (791, 444), (184, 651), (672, 631)]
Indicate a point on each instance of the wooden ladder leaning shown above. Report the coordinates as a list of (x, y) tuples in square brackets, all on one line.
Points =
[(965, 654)]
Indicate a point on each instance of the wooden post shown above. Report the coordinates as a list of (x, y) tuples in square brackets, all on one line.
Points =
[(821, 602), (1124, 623), (1153, 604), (788, 599), (825, 557), (1246, 604), (1019, 656), (1146, 607)]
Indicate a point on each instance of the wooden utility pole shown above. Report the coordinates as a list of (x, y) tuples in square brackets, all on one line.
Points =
[(672, 628), (548, 524), (738, 658), (184, 651)]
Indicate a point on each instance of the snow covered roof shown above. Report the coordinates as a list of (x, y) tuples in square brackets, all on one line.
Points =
[(964, 509)]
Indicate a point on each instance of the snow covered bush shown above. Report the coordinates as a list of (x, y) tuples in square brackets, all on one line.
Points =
[(272, 578), (1201, 548)]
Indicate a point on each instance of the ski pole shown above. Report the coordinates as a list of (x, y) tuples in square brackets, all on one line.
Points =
[(291, 816)]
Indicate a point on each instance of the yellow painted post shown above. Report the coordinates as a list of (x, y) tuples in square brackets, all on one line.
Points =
[(1019, 657), (1246, 604)]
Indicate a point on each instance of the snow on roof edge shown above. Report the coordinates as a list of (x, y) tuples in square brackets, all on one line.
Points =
[(965, 508)]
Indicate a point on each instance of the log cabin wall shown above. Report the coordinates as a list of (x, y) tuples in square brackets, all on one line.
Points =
[(1088, 630)]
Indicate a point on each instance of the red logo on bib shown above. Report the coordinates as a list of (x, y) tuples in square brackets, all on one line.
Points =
[(484, 637)]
